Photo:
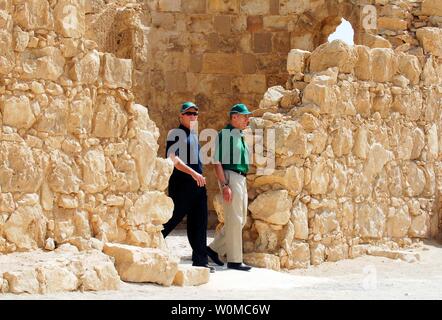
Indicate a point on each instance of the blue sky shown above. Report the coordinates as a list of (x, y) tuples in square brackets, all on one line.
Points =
[(344, 32)]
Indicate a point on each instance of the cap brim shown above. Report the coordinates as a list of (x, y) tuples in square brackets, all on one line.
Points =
[(192, 107)]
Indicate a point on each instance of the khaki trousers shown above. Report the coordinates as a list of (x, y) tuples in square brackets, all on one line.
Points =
[(229, 240)]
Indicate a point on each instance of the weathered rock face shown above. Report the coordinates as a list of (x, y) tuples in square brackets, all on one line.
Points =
[(78, 156), (366, 138), (220, 52), (65, 269)]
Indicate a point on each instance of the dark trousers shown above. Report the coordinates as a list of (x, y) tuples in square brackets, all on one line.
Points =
[(190, 199)]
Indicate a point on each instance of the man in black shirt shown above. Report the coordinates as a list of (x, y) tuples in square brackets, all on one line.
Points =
[(187, 185)]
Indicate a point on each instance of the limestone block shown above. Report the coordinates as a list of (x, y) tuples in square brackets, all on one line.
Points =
[(268, 236), (414, 179), (317, 254), (319, 177), (71, 223), (299, 218), (272, 207), (420, 226), (24, 281), (7, 203), (322, 95), (337, 252), (142, 121), (17, 112), (63, 174), (94, 175), (410, 67), (394, 254), (418, 137), (361, 146), (334, 54), (218, 6), (124, 178), (54, 118), (298, 257), (169, 5), (325, 223), (392, 23), (80, 115), (357, 251), (46, 63), (191, 276), (7, 58), (433, 142), (221, 63), (34, 14), (110, 119), (152, 207), (377, 158), (272, 97), (296, 61), (342, 141), (263, 260), (26, 227), (21, 39), (374, 41), (384, 64), (99, 272), (136, 264), (290, 99), (291, 179), (253, 7), (430, 40), (86, 69), (363, 64), (116, 73), (432, 8), (20, 170), (398, 222), (67, 202), (69, 16), (42, 273), (369, 221)]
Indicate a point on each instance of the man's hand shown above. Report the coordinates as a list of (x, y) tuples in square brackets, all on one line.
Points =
[(227, 194), (200, 180)]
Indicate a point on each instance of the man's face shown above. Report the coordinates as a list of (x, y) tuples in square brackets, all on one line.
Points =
[(240, 121), (187, 117)]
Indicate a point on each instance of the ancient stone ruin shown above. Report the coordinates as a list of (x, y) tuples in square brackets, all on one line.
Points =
[(88, 89)]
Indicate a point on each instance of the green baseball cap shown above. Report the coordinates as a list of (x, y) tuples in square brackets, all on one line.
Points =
[(240, 108), (187, 105)]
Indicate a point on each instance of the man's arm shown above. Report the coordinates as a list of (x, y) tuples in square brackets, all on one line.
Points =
[(227, 192), (180, 165)]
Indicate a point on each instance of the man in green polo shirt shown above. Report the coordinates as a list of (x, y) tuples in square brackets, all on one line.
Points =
[(231, 166)]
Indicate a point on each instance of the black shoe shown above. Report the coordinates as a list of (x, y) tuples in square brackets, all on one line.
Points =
[(238, 266), (214, 256), (211, 269)]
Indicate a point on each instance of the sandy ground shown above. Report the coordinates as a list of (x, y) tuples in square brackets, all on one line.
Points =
[(366, 277)]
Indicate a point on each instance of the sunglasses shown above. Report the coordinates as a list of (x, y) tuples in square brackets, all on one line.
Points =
[(190, 113)]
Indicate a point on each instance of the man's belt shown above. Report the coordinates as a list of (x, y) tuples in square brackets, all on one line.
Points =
[(238, 172)]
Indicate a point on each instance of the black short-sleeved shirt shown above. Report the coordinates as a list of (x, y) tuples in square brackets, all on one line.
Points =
[(185, 145)]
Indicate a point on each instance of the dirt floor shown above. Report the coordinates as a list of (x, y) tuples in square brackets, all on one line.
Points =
[(366, 277)]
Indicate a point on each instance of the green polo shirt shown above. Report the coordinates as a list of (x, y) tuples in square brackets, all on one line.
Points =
[(238, 157)]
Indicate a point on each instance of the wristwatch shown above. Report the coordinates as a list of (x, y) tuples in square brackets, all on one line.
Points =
[(225, 184)]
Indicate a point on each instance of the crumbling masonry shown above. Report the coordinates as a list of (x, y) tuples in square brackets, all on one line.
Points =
[(357, 127)]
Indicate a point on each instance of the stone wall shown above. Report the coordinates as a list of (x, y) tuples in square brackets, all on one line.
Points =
[(358, 156), (220, 52), (77, 155)]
